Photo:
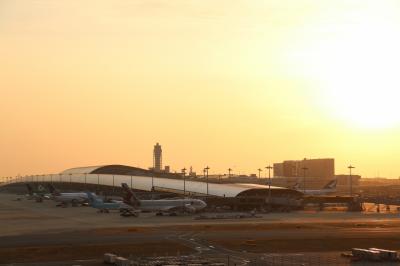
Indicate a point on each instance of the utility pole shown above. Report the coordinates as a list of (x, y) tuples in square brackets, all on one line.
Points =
[(259, 172), (269, 167), (351, 179), (184, 180)]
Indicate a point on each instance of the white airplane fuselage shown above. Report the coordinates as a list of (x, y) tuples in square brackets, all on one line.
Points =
[(78, 197), (171, 205)]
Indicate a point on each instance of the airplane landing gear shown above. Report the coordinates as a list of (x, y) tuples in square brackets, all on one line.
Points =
[(74, 203), (129, 214)]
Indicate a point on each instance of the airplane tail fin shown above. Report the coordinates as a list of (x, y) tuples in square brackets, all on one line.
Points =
[(296, 186), (30, 190), (331, 185), (130, 197), (53, 190), (92, 199)]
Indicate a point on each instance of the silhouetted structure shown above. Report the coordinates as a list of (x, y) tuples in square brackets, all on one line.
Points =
[(157, 158), (323, 168)]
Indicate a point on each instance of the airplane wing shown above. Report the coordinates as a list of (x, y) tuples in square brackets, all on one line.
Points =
[(185, 208)]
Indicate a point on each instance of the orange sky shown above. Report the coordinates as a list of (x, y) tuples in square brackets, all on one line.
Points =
[(237, 84)]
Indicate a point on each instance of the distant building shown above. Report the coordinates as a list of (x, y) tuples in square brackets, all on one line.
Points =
[(157, 158), (167, 169), (344, 180), (321, 168)]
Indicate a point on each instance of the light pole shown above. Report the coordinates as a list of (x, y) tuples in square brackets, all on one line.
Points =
[(304, 179), (206, 171), (269, 167), (229, 172), (131, 182), (113, 189), (259, 172), (351, 179), (184, 180)]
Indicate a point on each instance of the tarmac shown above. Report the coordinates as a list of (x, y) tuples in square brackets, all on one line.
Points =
[(41, 232)]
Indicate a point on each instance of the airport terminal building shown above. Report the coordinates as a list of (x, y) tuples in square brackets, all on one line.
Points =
[(147, 181)]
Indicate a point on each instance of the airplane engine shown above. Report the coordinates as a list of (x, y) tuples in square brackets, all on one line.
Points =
[(189, 208)]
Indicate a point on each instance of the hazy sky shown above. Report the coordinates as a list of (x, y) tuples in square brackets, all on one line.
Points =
[(237, 84)]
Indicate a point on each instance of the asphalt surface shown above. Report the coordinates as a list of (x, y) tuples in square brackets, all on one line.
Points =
[(26, 223)]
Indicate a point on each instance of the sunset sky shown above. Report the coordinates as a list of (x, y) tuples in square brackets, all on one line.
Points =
[(229, 84)]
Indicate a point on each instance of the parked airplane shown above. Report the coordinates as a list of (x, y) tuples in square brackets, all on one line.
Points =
[(171, 206), (105, 207), (327, 189), (73, 198), (39, 194)]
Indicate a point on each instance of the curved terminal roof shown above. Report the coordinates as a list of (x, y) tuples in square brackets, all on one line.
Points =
[(116, 169), (80, 170), (146, 180)]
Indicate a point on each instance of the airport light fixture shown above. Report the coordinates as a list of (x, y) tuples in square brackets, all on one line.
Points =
[(351, 179), (206, 171), (131, 182), (269, 167), (113, 189), (184, 180)]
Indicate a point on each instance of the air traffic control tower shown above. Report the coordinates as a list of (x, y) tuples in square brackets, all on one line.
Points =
[(157, 158)]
